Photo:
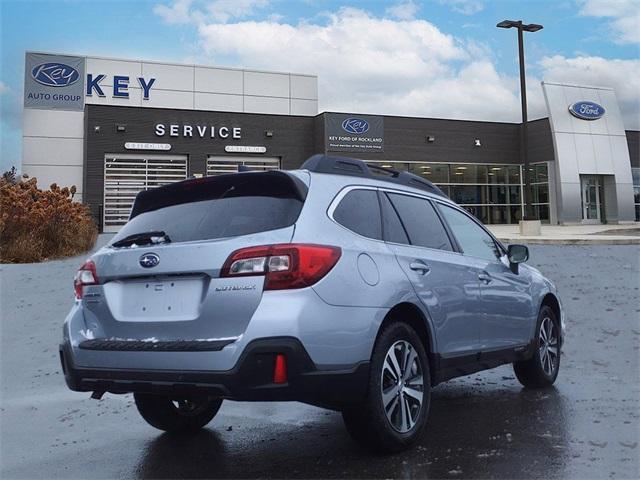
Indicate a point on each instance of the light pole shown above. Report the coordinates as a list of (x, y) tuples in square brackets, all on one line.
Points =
[(524, 158)]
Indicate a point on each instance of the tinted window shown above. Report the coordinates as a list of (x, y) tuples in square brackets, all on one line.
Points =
[(421, 222), (391, 225), (359, 211), (472, 238), (225, 206)]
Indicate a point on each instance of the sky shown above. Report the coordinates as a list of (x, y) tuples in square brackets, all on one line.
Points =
[(429, 58)]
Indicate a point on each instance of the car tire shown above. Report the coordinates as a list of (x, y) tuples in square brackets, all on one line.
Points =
[(541, 370), (177, 415), (395, 410)]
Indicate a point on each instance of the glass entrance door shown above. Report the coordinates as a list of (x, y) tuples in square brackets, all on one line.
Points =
[(591, 199)]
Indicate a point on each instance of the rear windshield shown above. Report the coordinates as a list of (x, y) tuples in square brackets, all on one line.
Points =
[(218, 207)]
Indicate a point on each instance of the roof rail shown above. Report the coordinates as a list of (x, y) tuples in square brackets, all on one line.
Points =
[(355, 167)]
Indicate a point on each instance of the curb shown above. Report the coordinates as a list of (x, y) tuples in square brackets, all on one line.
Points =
[(571, 241)]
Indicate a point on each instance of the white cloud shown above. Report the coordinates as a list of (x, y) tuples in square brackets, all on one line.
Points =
[(371, 64), (622, 75), (466, 7), (403, 11), (4, 88), (224, 10), (190, 11), (624, 14), (178, 12)]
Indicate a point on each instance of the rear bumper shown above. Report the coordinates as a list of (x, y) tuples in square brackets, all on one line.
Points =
[(250, 380)]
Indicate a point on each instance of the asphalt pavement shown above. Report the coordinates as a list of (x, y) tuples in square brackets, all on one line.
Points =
[(481, 426)]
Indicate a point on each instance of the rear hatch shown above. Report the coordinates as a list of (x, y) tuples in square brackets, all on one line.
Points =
[(159, 279)]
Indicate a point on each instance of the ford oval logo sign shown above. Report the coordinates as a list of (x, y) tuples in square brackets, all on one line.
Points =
[(55, 74), (149, 260), (586, 110), (357, 126)]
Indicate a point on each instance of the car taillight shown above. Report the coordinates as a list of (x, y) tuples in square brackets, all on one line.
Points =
[(86, 275), (285, 266)]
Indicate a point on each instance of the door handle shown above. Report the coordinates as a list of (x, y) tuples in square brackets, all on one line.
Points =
[(419, 267), (485, 278)]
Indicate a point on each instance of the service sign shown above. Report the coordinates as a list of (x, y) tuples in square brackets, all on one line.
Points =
[(586, 110), (54, 82), (354, 133)]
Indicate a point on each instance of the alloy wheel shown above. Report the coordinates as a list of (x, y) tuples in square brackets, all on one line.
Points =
[(548, 346), (402, 386)]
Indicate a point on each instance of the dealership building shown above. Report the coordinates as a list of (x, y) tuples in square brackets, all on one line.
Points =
[(115, 127)]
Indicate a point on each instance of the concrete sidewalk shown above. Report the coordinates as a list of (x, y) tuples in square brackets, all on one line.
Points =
[(628, 234)]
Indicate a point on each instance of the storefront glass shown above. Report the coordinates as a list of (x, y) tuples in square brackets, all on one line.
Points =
[(539, 177), (493, 193)]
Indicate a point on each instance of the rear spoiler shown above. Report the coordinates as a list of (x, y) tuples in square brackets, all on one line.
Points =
[(275, 183)]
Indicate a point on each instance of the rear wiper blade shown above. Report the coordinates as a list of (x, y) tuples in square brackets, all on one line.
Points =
[(144, 238)]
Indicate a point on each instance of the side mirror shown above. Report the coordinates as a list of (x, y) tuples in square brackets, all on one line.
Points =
[(517, 254)]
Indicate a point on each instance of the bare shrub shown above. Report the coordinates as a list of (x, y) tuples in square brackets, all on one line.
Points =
[(37, 225)]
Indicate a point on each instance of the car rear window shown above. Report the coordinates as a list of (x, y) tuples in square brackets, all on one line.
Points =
[(217, 207), (359, 211)]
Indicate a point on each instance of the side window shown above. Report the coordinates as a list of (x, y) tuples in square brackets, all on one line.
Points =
[(391, 224), (359, 211), (472, 238), (421, 222)]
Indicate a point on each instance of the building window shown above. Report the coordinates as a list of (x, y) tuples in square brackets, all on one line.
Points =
[(539, 177), (221, 165), (493, 193), (125, 175), (635, 172)]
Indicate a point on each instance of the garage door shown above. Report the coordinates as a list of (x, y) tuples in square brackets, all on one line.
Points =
[(127, 174), (220, 165)]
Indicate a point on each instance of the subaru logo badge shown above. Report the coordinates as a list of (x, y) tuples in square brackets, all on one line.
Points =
[(586, 110), (149, 260), (357, 126), (54, 74)]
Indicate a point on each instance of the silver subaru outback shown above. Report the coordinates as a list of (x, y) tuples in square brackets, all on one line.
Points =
[(341, 285)]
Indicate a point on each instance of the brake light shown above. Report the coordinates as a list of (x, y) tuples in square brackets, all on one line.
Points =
[(285, 266), (86, 275)]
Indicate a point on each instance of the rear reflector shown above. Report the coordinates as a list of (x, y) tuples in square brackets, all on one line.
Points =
[(280, 369), (285, 266)]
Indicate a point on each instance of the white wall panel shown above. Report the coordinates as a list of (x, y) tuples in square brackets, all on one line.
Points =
[(169, 77), (304, 107), (107, 67), (64, 176), (52, 123), (571, 203), (218, 102), (626, 206), (303, 86), (585, 154), (602, 153), (134, 99), (52, 151), (218, 80), (266, 84), (566, 160), (621, 160), (555, 102), (266, 105), (170, 99), (612, 116)]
